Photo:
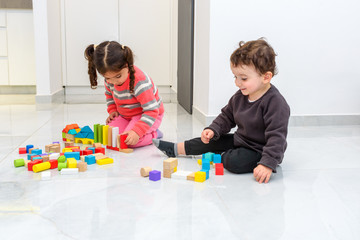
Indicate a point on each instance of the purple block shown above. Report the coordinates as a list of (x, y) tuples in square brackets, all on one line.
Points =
[(155, 175), (56, 142)]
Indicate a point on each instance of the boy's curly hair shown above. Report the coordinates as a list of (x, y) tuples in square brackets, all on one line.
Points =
[(257, 53)]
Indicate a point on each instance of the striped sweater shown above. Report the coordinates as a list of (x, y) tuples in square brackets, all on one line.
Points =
[(145, 101)]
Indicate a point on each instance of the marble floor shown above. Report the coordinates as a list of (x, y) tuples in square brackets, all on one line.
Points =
[(314, 195)]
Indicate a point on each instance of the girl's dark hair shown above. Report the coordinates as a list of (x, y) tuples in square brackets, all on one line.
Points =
[(109, 56), (257, 53)]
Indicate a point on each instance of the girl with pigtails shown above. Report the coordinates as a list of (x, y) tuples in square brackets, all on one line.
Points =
[(133, 101)]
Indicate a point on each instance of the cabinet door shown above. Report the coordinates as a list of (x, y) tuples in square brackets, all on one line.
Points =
[(4, 77), (3, 42), (87, 22), (145, 26), (21, 50)]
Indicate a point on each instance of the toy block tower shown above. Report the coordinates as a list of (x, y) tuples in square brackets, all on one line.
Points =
[(85, 136), (169, 167)]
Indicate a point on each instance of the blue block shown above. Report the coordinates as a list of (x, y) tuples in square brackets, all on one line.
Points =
[(75, 155), (92, 149), (90, 135), (28, 147), (209, 156), (154, 175), (90, 159), (36, 151), (72, 132), (206, 164), (207, 173), (36, 158), (217, 158), (86, 129), (30, 155)]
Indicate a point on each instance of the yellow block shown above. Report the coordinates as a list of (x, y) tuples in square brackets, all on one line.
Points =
[(71, 162), (67, 150), (88, 141), (175, 169), (200, 176), (78, 130), (105, 161), (199, 161), (41, 167), (105, 134)]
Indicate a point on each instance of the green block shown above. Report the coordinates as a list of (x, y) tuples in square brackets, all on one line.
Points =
[(19, 162), (61, 165), (96, 140), (61, 159), (100, 133), (63, 135)]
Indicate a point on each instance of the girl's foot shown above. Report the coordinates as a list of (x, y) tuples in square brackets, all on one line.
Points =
[(159, 134)]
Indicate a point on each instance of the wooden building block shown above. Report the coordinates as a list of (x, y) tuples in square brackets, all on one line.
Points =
[(19, 162), (82, 166), (105, 161), (41, 167), (69, 171), (96, 145), (191, 177), (145, 171), (71, 163), (109, 141), (200, 176)]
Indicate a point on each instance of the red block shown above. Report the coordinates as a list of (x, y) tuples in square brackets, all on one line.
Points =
[(34, 156), (22, 150), (53, 163), (219, 169), (32, 163), (100, 150), (122, 141), (87, 152)]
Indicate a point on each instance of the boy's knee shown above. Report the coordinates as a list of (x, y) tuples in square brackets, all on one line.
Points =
[(236, 161)]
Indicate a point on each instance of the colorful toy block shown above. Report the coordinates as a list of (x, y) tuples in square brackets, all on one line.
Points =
[(61, 165), (100, 150), (217, 158), (90, 159), (105, 134), (200, 176), (71, 162), (169, 167), (28, 147), (105, 161), (109, 140), (154, 175), (191, 177), (91, 148), (123, 145), (207, 173), (219, 169), (75, 155), (182, 175), (115, 133), (32, 163), (69, 171), (41, 167), (206, 164), (61, 159), (19, 162), (53, 164), (22, 151), (144, 172), (54, 156), (96, 133), (82, 166)]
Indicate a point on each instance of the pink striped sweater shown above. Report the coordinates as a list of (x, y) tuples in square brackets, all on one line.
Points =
[(145, 101)]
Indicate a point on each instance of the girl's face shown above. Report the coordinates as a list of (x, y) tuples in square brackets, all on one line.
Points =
[(117, 78), (250, 82)]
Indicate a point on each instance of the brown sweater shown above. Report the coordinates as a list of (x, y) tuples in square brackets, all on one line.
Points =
[(261, 125)]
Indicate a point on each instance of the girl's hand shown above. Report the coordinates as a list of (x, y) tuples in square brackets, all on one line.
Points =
[(262, 173), (111, 117), (132, 138), (206, 135)]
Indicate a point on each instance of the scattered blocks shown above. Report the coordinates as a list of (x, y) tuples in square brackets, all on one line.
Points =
[(71, 163), (53, 164), (54, 156), (75, 155), (154, 175), (206, 172), (32, 163), (19, 162), (61, 165), (61, 159), (90, 159), (28, 147), (144, 172), (191, 177), (180, 175), (217, 158)]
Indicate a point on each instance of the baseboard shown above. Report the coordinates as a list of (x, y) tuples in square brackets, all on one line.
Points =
[(297, 121), (57, 97), (29, 89)]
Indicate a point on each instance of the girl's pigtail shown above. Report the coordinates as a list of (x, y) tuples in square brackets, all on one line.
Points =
[(89, 55), (130, 62)]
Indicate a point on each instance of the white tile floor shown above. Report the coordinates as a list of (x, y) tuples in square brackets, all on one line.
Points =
[(314, 195)]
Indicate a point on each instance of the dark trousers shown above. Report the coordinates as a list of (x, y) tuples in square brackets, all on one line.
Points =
[(236, 160)]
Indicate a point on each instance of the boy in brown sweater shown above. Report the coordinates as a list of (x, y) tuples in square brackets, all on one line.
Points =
[(259, 111)]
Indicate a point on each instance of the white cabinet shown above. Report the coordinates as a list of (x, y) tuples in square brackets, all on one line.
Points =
[(3, 42), (2, 18), (86, 22), (21, 50), (4, 76)]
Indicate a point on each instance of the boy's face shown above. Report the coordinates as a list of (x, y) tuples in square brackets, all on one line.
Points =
[(117, 78), (250, 82)]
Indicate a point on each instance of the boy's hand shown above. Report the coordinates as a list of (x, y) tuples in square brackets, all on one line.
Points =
[(111, 117), (132, 138), (206, 135), (262, 173)]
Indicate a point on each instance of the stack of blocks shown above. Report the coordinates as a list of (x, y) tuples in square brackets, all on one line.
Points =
[(169, 167), (109, 136)]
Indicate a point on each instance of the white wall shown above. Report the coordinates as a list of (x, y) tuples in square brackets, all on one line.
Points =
[(316, 42), (47, 49)]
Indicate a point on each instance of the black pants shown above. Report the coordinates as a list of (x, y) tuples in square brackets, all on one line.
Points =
[(236, 160)]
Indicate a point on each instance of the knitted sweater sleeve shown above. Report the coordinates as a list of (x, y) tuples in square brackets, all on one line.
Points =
[(111, 106), (276, 117), (145, 92)]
